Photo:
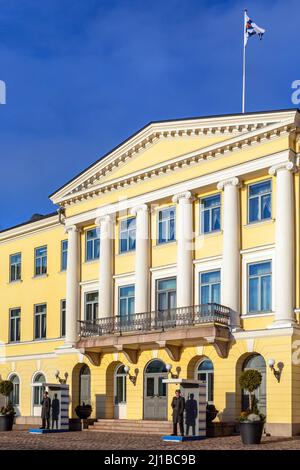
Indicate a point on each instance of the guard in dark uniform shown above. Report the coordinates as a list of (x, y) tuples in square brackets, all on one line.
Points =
[(178, 406)]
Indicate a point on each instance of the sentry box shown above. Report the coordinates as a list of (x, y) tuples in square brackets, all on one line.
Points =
[(59, 413), (194, 394)]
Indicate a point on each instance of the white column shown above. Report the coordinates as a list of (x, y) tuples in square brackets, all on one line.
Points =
[(105, 296), (184, 236), (284, 244), (142, 286), (230, 276), (72, 294)]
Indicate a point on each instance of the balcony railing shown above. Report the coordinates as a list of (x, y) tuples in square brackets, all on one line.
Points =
[(156, 320)]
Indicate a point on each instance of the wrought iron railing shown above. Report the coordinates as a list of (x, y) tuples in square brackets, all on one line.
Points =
[(156, 320)]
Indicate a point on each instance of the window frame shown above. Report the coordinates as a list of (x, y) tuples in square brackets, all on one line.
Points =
[(15, 264), (43, 316), (63, 251), (93, 303), (14, 320), (41, 257), (93, 240), (259, 312), (167, 291), (127, 300), (210, 209), (127, 231), (16, 386), (210, 284), (63, 323), (161, 211), (259, 196)]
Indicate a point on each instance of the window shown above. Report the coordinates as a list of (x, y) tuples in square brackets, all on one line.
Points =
[(38, 389), (205, 374), (64, 254), (14, 324), (14, 397), (127, 235), (92, 244), (166, 293), (259, 287), (62, 318), (166, 225), (259, 201), (40, 261), (126, 300), (40, 321), (210, 214), (85, 385), (15, 267), (91, 306), (210, 287), (120, 385)]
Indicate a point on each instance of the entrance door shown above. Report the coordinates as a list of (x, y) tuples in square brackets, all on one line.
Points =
[(85, 385), (155, 391), (37, 392), (120, 393)]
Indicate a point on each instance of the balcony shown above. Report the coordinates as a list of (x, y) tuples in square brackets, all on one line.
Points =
[(171, 329)]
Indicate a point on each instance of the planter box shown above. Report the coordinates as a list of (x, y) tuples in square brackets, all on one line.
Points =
[(251, 432), (6, 422)]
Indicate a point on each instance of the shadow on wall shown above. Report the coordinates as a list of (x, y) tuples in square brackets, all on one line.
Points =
[(229, 412)]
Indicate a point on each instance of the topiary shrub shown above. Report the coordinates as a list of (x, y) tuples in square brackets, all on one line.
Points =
[(250, 380)]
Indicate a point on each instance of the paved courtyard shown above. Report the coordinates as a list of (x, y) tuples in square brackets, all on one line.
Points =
[(20, 440)]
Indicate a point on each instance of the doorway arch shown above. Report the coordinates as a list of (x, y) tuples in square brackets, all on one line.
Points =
[(155, 391), (256, 362), (120, 392)]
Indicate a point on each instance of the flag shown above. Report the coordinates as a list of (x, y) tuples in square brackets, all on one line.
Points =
[(251, 29)]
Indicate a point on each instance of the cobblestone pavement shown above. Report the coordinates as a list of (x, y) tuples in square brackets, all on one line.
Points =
[(20, 440)]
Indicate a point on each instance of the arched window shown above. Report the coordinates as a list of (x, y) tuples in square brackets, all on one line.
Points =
[(205, 374), (156, 367), (120, 385), (14, 397), (38, 389), (85, 385), (256, 362)]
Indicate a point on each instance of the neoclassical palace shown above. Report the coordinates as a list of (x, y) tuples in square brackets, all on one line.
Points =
[(175, 254)]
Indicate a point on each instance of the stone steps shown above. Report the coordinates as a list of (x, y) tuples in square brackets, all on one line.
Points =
[(131, 426)]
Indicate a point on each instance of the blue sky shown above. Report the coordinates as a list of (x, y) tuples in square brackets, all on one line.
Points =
[(82, 75)]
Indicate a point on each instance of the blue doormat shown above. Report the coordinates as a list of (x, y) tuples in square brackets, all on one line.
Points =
[(46, 431), (182, 438)]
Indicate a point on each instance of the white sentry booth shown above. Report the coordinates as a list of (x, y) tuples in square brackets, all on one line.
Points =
[(62, 391)]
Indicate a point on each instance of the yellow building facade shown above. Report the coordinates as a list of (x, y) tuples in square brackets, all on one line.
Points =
[(176, 254)]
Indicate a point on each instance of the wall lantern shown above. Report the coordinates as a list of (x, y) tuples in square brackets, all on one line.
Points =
[(132, 378), (169, 370), (277, 373), (61, 381)]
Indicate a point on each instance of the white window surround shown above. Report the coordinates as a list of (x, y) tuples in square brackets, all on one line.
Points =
[(160, 273), (203, 266), (125, 280), (85, 289), (253, 257)]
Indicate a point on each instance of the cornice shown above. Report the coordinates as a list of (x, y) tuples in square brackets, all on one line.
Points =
[(234, 144), (30, 229)]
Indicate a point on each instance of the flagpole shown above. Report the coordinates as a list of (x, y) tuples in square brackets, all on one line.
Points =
[(244, 66)]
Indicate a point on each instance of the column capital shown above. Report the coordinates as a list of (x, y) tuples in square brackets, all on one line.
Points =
[(289, 166), (141, 208), (106, 218), (184, 195), (228, 182), (71, 228)]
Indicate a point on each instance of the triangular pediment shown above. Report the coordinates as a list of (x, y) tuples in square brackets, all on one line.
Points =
[(163, 143)]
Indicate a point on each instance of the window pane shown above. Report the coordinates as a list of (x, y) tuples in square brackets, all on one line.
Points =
[(260, 268), (253, 295), (205, 295), (253, 209), (215, 292), (266, 207), (206, 219), (162, 301), (172, 230), (131, 306), (260, 188), (216, 219), (210, 276), (162, 387), (123, 307), (123, 245), (172, 300), (166, 284), (150, 386), (266, 293), (211, 201)]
